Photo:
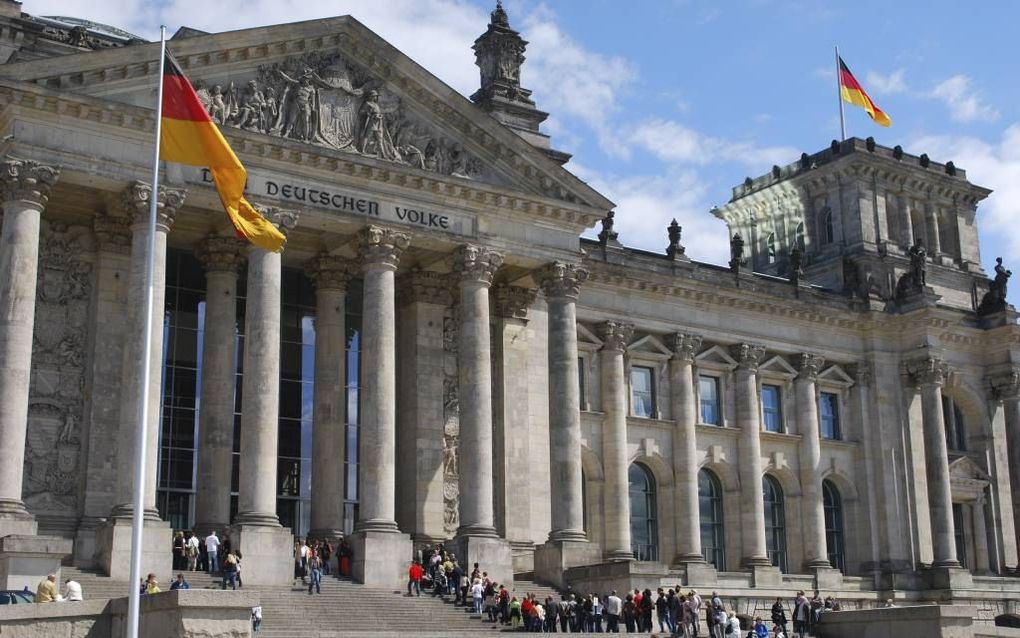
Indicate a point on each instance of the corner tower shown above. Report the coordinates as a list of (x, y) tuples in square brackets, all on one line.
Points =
[(499, 54)]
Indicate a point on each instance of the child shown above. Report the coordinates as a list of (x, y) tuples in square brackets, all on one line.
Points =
[(515, 613)]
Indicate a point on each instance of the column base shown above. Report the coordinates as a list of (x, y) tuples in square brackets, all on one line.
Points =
[(766, 576), (85, 547), (555, 557), (204, 529), (15, 519), (258, 519), (27, 560), (113, 548), (700, 574), (267, 553), (331, 535), (619, 555), (493, 555), (948, 578), (381, 558), (827, 578)]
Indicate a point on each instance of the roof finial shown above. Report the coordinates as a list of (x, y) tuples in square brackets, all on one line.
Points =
[(499, 16)]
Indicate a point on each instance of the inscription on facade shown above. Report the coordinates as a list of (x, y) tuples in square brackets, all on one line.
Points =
[(349, 202)]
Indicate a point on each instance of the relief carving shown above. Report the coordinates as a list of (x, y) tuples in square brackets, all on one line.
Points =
[(56, 401), (451, 423), (324, 99)]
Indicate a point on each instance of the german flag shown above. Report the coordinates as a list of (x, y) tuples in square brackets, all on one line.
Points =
[(851, 91), (191, 137)]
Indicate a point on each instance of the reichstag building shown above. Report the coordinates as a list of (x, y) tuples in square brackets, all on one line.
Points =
[(437, 356)]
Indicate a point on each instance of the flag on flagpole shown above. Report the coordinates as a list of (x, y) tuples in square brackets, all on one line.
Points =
[(851, 91), (191, 137)]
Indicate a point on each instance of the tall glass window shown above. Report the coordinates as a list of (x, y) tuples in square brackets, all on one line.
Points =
[(960, 535), (828, 416), (772, 407), (353, 418), (770, 248), (834, 543), (708, 396), (710, 507), (642, 391), (826, 229), (644, 530), (799, 238), (581, 386), (775, 522)]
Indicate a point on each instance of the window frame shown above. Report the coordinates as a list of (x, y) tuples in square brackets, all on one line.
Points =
[(835, 524), (777, 410), (718, 523), (776, 533), (955, 422), (652, 390), (717, 383), (648, 551), (838, 434)]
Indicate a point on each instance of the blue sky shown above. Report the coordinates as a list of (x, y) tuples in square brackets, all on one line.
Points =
[(666, 104)]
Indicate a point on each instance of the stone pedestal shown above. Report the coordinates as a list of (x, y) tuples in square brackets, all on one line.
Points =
[(26, 560), (15, 523), (267, 553), (381, 559), (827, 578), (948, 578), (113, 548), (698, 574), (85, 548), (493, 555), (554, 557), (766, 576)]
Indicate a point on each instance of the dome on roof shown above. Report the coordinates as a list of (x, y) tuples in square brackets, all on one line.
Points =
[(95, 27)]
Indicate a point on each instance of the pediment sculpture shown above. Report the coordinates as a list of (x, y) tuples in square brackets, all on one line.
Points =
[(325, 100)]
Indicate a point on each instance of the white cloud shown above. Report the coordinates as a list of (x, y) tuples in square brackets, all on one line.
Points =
[(965, 104), (672, 141), (994, 165), (886, 84)]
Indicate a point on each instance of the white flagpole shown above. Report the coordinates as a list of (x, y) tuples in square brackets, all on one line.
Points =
[(839, 96), (141, 433)]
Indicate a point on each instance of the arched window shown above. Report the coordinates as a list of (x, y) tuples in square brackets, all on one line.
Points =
[(799, 237), (644, 529), (775, 522), (833, 504), (711, 511), (770, 248), (956, 428), (826, 232)]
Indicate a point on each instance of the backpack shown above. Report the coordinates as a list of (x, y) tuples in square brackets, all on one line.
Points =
[(729, 628)]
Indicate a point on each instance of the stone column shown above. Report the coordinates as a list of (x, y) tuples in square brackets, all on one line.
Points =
[(477, 541), (982, 557), (615, 336), (1005, 392), (26, 188), (929, 375), (329, 428), (933, 232), (815, 551), (752, 505), (685, 447), (907, 217), (221, 257), (567, 545), (114, 540), (380, 551)]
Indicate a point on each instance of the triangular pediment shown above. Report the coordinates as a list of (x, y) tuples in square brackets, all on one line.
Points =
[(778, 366), (836, 376), (964, 468), (716, 357), (649, 345), (587, 337), (329, 84)]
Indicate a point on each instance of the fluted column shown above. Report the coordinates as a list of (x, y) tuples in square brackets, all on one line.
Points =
[(1007, 390), (221, 257), (929, 375), (752, 505), (815, 550), (260, 385), (380, 251), (982, 557), (615, 336), (26, 188), (685, 447), (476, 267), (329, 429), (135, 201), (561, 283)]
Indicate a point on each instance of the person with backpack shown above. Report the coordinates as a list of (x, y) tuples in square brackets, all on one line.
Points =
[(801, 615), (229, 569), (779, 614), (732, 626)]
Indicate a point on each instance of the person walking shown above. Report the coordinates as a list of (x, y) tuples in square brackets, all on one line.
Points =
[(315, 571), (212, 547), (256, 618), (414, 575), (229, 568), (477, 593), (191, 550), (179, 560)]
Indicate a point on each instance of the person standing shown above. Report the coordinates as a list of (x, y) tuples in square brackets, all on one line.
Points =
[(212, 548), (72, 590), (477, 592), (315, 570), (46, 592), (779, 614), (694, 602), (179, 558), (230, 571), (801, 615), (191, 550), (414, 575), (256, 618), (614, 607)]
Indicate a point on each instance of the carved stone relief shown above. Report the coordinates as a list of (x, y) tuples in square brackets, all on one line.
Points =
[(56, 399), (324, 99), (451, 423)]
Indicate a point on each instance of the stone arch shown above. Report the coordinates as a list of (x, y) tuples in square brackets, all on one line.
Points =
[(969, 399), (660, 469), (726, 473), (787, 479), (591, 465), (847, 489)]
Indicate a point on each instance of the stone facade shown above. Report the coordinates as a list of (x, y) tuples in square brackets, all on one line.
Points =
[(599, 415)]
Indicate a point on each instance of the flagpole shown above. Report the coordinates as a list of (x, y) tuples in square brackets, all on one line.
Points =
[(839, 96), (141, 433)]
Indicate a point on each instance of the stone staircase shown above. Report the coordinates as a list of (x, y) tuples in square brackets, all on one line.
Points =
[(95, 585)]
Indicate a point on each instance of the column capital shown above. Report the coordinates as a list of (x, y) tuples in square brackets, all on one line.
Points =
[(1005, 385), (425, 286), (615, 335), (560, 279), (927, 371), (381, 247), (808, 365), (220, 254), (284, 219), (862, 373), (27, 181), (136, 197), (330, 272), (113, 232), (684, 345), (477, 263), (513, 302), (748, 355)]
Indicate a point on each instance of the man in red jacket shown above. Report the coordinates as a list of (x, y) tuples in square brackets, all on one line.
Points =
[(414, 575)]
